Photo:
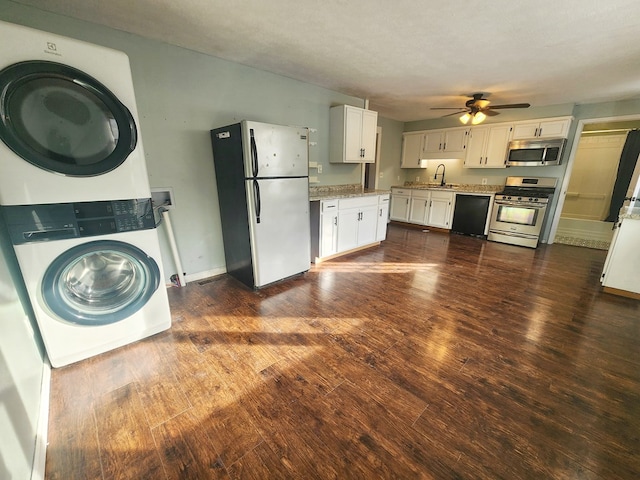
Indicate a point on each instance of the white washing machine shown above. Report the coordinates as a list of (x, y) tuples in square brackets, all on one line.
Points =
[(93, 274), (68, 121)]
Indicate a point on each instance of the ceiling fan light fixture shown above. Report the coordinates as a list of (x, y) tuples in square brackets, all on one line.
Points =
[(465, 118), (479, 117)]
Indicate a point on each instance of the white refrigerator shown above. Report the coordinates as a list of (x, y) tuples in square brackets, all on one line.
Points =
[(263, 192)]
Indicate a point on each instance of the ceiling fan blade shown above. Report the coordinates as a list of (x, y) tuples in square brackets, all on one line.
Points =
[(512, 105), (454, 113), (447, 108), (490, 113)]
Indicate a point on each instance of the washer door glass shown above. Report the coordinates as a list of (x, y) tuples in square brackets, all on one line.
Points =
[(63, 120), (99, 283)]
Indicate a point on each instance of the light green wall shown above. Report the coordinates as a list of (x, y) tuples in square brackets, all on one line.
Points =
[(390, 152)]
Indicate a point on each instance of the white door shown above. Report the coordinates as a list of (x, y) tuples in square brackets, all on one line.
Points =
[(367, 226), (348, 229), (280, 227)]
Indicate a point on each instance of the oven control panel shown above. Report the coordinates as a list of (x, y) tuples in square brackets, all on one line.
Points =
[(49, 222)]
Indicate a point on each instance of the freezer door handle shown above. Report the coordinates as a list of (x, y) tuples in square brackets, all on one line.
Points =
[(254, 154), (256, 199)]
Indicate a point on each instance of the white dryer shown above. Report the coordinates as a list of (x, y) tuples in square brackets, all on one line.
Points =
[(93, 274), (68, 121)]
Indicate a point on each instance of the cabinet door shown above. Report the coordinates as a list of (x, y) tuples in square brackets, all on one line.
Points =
[(496, 147), (412, 151), (348, 229), (455, 142), (368, 136), (554, 129), (418, 210), (432, 146), (329, 233), (353, 134), (367, 225), (399, 208), (439, 213), (383, 215), (525, 130), (475, 156)]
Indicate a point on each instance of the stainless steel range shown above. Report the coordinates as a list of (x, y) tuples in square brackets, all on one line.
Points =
[(519, 211)]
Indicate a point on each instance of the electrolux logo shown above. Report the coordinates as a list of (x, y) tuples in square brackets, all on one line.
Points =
[(52, 49)]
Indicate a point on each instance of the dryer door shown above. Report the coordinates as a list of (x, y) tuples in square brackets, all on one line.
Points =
[(99, 283), (63, 120)]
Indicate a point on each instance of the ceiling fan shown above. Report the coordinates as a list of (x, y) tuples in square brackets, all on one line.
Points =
[(477, 109)]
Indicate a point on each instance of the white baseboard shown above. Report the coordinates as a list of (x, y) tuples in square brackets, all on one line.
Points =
[(42, 431), (194, 277)]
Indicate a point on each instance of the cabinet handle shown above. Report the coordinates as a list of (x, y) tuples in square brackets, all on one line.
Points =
[(540, 132), (380, 212), (444, 147), (440, 146), (335, 221), (535, 134), (430, 203), (481, 160)]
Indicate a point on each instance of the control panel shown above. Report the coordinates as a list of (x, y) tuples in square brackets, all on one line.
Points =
[(47, 222)]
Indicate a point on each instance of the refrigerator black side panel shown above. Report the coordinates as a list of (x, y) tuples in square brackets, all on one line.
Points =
[(228, 161)]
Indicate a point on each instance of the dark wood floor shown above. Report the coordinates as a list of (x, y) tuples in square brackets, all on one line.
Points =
[(431, 356)]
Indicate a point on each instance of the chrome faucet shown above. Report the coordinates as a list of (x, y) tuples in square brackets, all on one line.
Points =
[(435, 177)]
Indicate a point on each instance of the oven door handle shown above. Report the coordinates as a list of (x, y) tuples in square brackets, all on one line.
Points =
[(521, 204)]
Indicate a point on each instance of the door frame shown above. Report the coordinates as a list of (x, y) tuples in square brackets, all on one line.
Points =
[(567, 174)]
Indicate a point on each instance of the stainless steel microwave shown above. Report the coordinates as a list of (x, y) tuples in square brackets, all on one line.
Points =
[(535, 153)]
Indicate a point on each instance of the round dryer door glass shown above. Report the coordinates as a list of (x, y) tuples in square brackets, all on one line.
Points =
[(99, 283), (61, 119)]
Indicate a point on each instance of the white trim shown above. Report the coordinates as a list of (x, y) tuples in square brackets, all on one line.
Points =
[(40, 453), (194, 277), (570, 161)]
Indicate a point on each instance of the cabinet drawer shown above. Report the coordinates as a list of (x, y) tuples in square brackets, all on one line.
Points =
[(329, 205), (420, 194), (357, 202), (400, 191), (383, 199)]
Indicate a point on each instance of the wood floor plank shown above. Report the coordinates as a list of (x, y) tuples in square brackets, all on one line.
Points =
[(127, 448), (431, 356)]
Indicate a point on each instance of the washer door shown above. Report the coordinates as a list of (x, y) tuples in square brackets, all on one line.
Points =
[(63, 120), (99, 283)]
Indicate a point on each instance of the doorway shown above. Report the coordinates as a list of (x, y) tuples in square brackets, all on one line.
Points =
[(370, 170), (588, 183)]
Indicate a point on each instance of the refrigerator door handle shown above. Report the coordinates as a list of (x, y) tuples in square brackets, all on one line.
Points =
[(254, 154), (256, 199)]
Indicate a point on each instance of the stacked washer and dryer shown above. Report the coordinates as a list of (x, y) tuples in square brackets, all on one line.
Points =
[(75, 195)]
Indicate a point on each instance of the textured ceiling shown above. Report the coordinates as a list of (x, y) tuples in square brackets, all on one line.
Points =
[(404, 56)]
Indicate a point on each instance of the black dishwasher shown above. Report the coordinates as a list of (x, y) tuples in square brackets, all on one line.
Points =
[(470, 214)]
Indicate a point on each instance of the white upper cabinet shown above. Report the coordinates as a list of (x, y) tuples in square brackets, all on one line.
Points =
[(352, 135), (412, 155), (487, 146), (549, 128), (445, 144)]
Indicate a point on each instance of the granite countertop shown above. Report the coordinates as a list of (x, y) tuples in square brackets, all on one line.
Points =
[(633, 213), (330, 192), (454, 187)]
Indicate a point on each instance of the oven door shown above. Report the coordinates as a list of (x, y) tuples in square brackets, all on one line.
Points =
[(522, 218)]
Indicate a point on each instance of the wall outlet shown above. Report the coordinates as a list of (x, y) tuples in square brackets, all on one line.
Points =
[(319, 168), (484, 181), (381, 174), (417, 179), (398, 177)]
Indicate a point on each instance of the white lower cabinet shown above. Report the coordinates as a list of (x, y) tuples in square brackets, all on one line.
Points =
[(357, 222), (383, 217), (400, 204), (440, 211), (430, 207), (341, 225), (328, 228)]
